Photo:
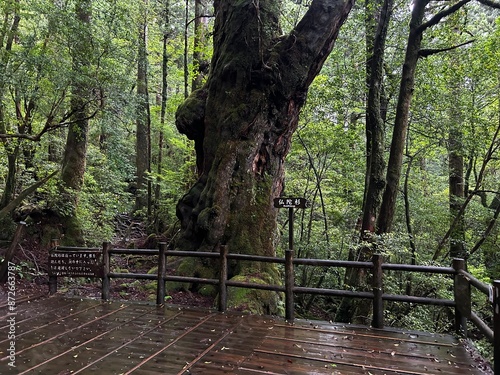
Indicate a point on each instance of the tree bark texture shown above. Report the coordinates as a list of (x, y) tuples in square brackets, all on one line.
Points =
[(243, 119), (375, 132)]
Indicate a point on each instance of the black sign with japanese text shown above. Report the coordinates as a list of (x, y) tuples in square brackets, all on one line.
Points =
[(75, 263), (290, 203)]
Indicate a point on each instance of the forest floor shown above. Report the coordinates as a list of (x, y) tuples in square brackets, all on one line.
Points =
[(31, 262)]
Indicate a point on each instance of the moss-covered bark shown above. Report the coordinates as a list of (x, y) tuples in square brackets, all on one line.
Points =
[(242, 122)]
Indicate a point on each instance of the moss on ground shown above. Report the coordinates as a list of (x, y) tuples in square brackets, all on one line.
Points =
[(254, 301)]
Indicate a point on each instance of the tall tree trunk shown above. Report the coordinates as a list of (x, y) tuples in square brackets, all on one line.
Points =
[(186, 50), (143, 122), (456, 179), (10, 183), (378, 15), (375, 117), (417, 28), (388, 206), (201, 39), (75, 154), (11, 146), (163, 111), (244, 117)]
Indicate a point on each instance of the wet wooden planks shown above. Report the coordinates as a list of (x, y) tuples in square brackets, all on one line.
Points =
[(58, 335), (363, 351)]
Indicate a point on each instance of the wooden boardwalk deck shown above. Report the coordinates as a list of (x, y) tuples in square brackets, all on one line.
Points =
[(60, 336)]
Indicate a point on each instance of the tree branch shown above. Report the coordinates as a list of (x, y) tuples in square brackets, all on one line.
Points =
[(486, 233), (439, 16), (430, 51), (15, 202), (48, 127), (315, 35), (479, 180)]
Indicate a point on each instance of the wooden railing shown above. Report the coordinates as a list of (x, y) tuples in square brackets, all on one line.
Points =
[(463, 281)]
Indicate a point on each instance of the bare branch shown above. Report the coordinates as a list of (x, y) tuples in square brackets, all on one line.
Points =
[(431, 51), (439, 16), (49, 125), (15, 202), (486, 233)]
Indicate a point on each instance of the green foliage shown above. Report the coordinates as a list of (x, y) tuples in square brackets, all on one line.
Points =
[(455, 90), (103, 197), (326, 164)]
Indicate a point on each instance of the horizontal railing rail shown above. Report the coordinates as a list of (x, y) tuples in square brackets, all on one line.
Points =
[(461, 286)]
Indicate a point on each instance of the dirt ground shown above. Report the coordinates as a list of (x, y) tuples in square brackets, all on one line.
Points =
[(31, 280)]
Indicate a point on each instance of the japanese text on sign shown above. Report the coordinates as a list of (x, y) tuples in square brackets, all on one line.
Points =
[(77, 264), (290, 202)]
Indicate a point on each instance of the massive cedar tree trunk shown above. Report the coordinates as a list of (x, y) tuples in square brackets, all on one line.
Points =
[(243, 119)]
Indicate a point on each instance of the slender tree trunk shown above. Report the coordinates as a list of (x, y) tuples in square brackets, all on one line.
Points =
[(378, 15), (201, 40), (55, 149), (413, 49), (186, 50), (456, 180), (11, 146), (490, 154), (143, 123), (10, 183), (163, 111), (375, 117), (244, 118), (388, 206), (74, 160)]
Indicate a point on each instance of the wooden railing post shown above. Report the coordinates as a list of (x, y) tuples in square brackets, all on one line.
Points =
[(162, 270), (52, 284), (462, 295), (496, 326), (377, 286), (54, 243), (52, 278), (289, 284), (106, 259), (223, 278)]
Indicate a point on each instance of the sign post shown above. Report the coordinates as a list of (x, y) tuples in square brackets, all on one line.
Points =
[(289, 203)]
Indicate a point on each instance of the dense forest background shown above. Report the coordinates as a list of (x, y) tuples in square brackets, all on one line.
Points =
[(88, 96)]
